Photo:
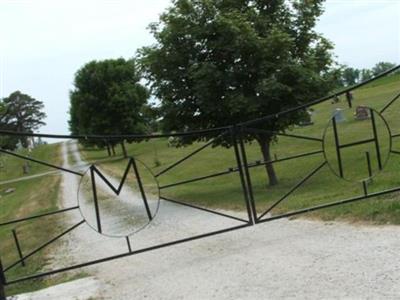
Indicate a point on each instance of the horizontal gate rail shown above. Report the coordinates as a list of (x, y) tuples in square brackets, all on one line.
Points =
[(296, 136), (390, 103), (40, 162), (189, 155), (196, 179), (116, 137), (235, 169), (261, 163), (332, 204), (313, 172), (43, 246), (97, 261), (39, 216)]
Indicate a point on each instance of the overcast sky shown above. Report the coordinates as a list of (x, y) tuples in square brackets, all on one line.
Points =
[(43, 43)]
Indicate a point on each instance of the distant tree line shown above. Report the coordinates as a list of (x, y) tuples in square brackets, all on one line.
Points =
[(349, 76)]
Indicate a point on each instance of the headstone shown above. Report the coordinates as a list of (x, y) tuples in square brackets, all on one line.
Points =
[(338, 115), (9, 191), (362, 113), (31, 144)]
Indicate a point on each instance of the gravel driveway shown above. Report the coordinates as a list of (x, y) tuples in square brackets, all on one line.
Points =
[(281, 259)]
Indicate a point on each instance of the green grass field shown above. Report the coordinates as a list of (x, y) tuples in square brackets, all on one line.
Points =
[(225, 191), (31, 197)]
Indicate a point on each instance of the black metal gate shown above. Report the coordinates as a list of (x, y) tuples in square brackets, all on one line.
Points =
[(235, 136)]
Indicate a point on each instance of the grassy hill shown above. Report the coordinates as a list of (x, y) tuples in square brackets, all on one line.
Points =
[(225, 191)]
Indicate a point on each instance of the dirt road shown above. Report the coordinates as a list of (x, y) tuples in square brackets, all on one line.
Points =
[(282, 259)]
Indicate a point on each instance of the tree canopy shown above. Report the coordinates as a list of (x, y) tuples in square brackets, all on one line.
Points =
[(217, 63), (20, 112), (381, 67), (108, 99)]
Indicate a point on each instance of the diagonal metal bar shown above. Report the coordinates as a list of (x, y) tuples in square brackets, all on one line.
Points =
[(235, 169), (337, 145), (331, 204), (115, 137), (303, 137), (18, 245), (95, 200), (39, 216), (204, 209), (128, 243), (317, 101), (189, 155), (395, 152), (365, 187), (256, 164), (106, 181), (251, 203), (139, 181), (239, 168), (390, 103), (176, 242), (197, 179), (376, 139), (293, 189), (43, 246), (368, 157), (40, 162), (117, 191), (30, 177), (356, 143), (396, 135)]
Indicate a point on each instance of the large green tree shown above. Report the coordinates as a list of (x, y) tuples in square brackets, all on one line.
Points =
[(108, 99), (20, 112), (221, 62)]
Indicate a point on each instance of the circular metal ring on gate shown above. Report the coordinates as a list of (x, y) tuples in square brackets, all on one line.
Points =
[(118, 205), (357, 145)]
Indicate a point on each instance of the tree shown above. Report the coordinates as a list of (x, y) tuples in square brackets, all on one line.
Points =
[(217, 63), (366, 74), (108, 99), (6, 142), (351, 76), (22, 113), (382, 67)]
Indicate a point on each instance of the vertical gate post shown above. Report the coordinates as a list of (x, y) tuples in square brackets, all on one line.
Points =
[(17, 244), (234, 136), (2, 283), (247, 176)]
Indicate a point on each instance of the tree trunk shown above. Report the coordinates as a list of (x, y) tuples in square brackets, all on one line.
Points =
[(265, 143), (124, 149), (108, 149), (113, 149)]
